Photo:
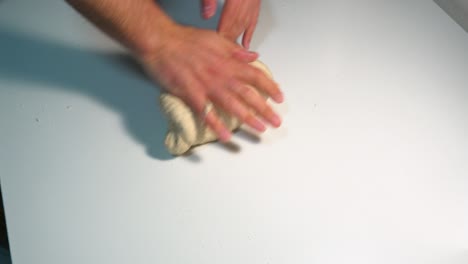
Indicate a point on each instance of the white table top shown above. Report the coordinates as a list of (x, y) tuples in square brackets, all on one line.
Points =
[(370, 165)]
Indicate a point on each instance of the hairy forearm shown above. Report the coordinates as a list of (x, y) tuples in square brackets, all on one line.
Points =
[(140, 25)]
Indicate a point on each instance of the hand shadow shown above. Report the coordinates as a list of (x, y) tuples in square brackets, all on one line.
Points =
[(115, 80)]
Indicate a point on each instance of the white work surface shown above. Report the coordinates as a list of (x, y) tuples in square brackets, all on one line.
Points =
[(370, 165)]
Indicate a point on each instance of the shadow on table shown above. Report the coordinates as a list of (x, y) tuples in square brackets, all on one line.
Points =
[(115, 80), (4, 243)]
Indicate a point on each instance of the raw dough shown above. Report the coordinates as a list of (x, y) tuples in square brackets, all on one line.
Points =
[(186, 129)]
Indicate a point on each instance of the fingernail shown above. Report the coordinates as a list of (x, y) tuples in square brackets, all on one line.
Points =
[(276, 121), (225, 136), (279, 98), (207, 11), (246, 51), (259, 126)]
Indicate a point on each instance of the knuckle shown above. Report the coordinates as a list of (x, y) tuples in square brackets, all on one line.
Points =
[(248, 92), (238, 109), (263, 108), (250, 119), (255, 94)]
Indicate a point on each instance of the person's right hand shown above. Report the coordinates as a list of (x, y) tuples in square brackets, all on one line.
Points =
[(199, 66)]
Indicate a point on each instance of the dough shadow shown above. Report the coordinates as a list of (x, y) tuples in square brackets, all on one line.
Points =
[(192, 156), (113, 79)]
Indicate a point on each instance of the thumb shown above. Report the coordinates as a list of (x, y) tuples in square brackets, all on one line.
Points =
[(208, 8)]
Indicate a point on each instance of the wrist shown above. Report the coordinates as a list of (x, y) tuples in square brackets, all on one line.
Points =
[(153, 37)]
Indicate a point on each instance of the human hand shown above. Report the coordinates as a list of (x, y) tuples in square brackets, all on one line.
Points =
[(202, 67), (238, 16)]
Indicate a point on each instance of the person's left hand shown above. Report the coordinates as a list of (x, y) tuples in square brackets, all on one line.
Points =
[(238, 16)]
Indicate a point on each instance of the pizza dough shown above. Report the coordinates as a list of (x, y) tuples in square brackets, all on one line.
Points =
[(186, 129)]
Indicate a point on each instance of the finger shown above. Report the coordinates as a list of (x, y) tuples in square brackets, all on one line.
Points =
[(208, 8), (260, 81), (235, 107), (257, 103), (230, 32), (233, 50), (247, 38), (232, 23), (197, 103), (250, 29), (245, 56), (218, 127)]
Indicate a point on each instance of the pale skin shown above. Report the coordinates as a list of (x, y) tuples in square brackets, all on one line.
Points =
[(197, 65)]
